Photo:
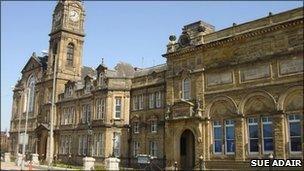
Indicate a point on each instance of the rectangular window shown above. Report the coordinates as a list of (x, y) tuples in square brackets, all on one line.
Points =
[(66, 117), (67, 141), (84, 144), (186, 89), (88, 113), (295, 133), (253, 135), (153, 126), (135, 102), (98, 145), (229, 133), (83, 114), (267, 134), (158, 99), (141, 101), (151, 100), (70, 144), (117, 107), (80, 145), (136, 127), (153, 148), (135, 148), (100, 108), (116, 144), (217, 137), (62, 145)]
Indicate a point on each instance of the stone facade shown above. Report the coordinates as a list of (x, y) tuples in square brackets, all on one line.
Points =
[(215, 88)]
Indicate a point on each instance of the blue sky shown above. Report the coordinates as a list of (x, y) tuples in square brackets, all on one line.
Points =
[(117, 31)]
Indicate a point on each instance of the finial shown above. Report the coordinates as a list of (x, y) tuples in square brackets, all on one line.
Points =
[(270, 14), (34, 54), (234, 24), (102, 61)]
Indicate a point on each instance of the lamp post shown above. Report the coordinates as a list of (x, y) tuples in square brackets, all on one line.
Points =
[(271, 160), (201, 160), (175, 165)]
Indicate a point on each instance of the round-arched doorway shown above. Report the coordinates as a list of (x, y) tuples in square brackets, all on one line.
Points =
[(187, 153)]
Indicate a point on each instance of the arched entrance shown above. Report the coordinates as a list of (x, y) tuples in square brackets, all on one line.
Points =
[(187, 153)]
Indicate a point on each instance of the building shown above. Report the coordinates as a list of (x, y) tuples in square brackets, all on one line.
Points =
[(5, 142), (223, 96)]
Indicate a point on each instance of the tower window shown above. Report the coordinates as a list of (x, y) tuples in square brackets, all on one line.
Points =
[(186, 89), (70, 54)]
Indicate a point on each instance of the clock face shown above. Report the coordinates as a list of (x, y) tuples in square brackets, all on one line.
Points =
[(74, 16)]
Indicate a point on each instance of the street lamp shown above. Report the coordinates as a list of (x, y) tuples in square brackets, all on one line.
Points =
[(175, 165), (271, 159), (201, 160)]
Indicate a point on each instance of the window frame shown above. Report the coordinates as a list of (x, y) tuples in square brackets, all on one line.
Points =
[(262, 134), (218, 125), (136, 146), (254, 123), (153, 126), (136, 128), (151, 101), (118, 99), (294, 120), (158, 99), (231, 124), (188, 90), (70, 55)]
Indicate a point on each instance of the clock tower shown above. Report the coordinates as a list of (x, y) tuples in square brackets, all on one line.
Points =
[(66, 40)]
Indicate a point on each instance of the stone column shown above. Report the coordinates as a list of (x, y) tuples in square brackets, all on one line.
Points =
[(239, 139), (279, 136)]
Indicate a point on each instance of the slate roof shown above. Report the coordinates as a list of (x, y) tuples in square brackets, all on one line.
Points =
[(147, 71)]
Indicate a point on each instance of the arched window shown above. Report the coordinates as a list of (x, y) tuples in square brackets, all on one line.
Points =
[(186, 89), (70, 54), (31, 93)]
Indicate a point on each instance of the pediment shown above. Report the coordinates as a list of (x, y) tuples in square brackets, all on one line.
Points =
[(31, 64)]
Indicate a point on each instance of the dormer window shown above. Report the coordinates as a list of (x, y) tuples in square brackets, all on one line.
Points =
[(87, 87), (101, 79), (69, 91), (186, 89)]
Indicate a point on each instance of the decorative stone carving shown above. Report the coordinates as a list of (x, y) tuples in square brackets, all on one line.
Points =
[(255, 72), (291, 65), (182, 109), (219, 78)]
